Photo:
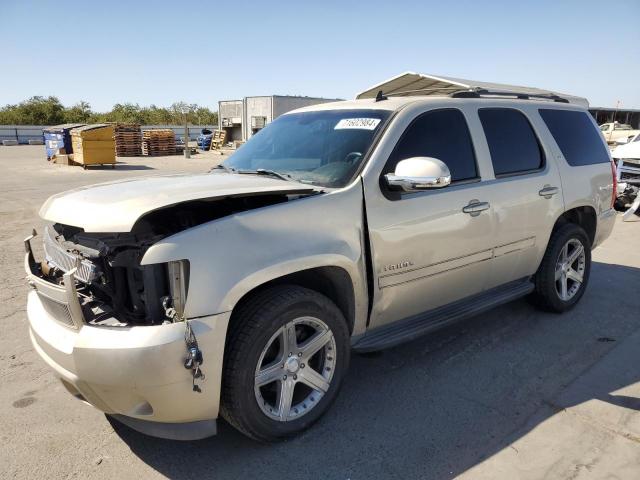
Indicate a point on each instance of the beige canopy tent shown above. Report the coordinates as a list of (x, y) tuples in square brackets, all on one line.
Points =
[(413, 84)]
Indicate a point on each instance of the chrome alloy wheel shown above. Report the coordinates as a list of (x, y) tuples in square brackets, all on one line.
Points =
[(570, 267), (295, 369)]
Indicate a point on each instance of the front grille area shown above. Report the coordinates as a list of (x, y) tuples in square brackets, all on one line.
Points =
[(57, 310), (629, 177), (57, 256), (630, 164)]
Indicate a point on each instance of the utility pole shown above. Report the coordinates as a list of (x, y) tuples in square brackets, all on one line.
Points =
[(613, 122), (187, 152)]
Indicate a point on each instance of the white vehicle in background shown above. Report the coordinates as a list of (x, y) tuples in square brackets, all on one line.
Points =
[(614, 132), (627, 160)]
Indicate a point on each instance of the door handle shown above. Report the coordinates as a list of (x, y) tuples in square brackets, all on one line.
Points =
[(475, 207), (548, 191)]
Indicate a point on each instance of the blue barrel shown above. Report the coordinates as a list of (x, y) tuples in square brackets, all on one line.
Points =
[(57, 140)]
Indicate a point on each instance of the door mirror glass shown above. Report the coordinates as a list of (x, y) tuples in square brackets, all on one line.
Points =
[(419, 173)]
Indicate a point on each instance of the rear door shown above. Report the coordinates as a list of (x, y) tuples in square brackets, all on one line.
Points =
[(583, 159), (525, 194)]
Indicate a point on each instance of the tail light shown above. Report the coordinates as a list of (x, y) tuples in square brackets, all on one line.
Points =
[(614, 174)]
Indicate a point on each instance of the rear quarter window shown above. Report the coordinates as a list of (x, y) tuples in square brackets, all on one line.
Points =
[(577, 137)]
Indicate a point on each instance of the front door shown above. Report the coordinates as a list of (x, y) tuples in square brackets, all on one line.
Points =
[(427, 248)]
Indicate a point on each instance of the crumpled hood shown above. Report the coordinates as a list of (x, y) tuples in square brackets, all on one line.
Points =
[(628, 150), (115, 206)]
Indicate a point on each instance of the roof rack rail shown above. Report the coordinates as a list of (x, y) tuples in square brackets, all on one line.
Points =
[(480, 92), (421, 90)]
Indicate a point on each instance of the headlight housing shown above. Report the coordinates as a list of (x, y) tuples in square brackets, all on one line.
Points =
[(178, 278)]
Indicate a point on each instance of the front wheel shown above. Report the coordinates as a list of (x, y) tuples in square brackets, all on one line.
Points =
[(286, 355), (563, 275)]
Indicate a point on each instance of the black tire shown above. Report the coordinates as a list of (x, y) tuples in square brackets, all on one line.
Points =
[(251, 329), (546, 295)]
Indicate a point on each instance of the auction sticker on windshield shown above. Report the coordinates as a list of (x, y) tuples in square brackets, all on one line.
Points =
[(359, 123)]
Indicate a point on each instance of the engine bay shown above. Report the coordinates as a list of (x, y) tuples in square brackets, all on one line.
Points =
[(114, 288)]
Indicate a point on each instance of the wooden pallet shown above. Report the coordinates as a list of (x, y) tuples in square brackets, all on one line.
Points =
[(129, 153), (128, 137), (217, 140), (158, 142)]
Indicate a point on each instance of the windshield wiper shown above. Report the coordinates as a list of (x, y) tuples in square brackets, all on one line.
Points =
[(259, 171), (271, 173), (221, 166)]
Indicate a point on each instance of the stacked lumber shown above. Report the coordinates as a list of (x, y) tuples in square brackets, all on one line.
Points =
[(128, 140), (158, 142)]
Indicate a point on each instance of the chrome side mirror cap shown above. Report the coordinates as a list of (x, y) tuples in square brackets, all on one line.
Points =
[(419, 173)]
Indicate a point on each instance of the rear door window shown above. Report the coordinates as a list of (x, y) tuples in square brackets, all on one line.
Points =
[(441, 134), (513, 144), (576, 136)]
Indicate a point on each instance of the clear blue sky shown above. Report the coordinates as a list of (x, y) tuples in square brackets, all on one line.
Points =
[(201, 52)]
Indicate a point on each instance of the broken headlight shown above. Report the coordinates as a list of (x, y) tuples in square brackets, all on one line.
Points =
[(178, 278)]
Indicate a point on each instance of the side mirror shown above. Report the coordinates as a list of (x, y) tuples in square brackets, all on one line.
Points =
[(419, 173), (622, 141)]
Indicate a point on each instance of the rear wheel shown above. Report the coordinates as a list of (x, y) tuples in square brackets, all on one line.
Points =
[(564, 272), (286, 355)]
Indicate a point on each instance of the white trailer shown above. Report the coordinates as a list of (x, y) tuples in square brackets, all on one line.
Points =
[(230, 118), (261, 110)]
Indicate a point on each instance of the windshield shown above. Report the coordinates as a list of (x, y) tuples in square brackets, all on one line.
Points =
[(321, 148)]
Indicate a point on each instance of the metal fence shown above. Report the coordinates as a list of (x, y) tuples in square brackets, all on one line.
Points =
[(21, 133), (24, 133), (178, 130)]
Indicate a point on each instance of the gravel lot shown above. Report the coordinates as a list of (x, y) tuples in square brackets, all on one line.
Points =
[(514, 393)]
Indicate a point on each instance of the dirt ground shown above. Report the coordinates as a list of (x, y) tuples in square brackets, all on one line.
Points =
[(514, 393)]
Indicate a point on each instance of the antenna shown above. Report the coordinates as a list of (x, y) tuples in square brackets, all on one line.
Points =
[(380, 96)]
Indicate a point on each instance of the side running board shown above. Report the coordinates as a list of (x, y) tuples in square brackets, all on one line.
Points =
[(413, 327)]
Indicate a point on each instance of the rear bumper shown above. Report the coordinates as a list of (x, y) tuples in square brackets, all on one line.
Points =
[(606, 221), (134, 373)]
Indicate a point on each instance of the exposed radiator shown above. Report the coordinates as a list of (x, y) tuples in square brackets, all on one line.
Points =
[(58, 257)]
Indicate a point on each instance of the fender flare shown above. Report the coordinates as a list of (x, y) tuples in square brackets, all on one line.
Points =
[(260, 277)]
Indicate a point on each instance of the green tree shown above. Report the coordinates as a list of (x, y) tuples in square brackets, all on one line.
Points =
[(157, 116), (8, 115), (35, 111), (126, 113), (79, 113), (49, 111)]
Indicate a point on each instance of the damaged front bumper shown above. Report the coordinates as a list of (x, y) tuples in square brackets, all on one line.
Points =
[(134, 373)]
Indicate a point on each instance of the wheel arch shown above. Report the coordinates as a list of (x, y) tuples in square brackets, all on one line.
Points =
[(334, 282), (584, 216)]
